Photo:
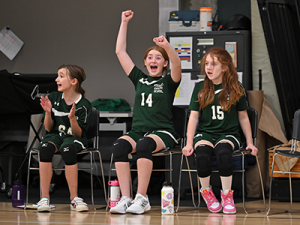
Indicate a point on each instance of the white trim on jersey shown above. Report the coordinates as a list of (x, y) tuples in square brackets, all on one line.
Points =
[(218, 91), (143, 81), (234, 139), (79, 142), (59, 113), (85, 112), (168, 133), (197, 135), (80, 97)]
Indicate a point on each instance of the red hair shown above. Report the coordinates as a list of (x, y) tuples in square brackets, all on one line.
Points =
[(230, 82)]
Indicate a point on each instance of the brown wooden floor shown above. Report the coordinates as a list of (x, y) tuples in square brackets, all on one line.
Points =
[(186, 216)]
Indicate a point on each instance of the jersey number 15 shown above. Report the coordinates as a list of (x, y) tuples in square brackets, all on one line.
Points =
[(217, 112)]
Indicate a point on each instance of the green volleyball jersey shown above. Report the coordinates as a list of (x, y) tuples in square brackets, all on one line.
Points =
[(212, 119), (60, 112), (153, 101)]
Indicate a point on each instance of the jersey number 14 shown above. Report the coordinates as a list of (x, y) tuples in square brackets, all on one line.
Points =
[(148, 100)]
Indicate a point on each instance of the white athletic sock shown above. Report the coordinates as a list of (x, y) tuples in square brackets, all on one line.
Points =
[(226, 183), (205, 182)]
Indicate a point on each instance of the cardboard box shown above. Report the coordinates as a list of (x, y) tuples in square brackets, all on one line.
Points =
[(296, 167)]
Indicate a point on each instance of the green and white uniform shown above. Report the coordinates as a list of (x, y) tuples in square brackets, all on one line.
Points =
[(61, 132), (214, 123), (153, 106)]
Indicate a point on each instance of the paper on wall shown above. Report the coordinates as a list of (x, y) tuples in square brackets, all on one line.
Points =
[(183, 46), (10, 44), (184, 92)]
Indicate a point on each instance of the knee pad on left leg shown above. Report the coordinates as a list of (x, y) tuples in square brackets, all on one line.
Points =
[(144, 147), (203, 160), (69, 154), (121, 149), (47, 151), (223, 152)]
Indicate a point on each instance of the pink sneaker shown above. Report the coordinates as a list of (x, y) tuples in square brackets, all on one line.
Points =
[(228, 203), (212, 203)]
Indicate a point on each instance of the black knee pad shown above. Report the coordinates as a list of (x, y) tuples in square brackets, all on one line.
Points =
[(46, 152), (203, 160), (144, 148), (69, 154), (223, 152), (121, 149)]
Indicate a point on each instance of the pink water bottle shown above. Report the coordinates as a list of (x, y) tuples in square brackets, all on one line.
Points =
[(114, 193)]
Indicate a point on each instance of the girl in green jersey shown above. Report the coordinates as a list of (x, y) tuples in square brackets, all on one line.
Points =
[(66, 120), (218, 105), (152, 128)]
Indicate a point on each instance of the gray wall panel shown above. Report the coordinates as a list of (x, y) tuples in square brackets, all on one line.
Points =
[(80, 32)]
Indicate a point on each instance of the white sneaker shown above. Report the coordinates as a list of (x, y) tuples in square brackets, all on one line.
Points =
[(44, 205), (78, 205), (139, 205), (122, 205)]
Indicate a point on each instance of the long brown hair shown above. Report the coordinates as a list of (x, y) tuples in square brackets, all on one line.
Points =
[(78, 73), (164, 54), (230, 82)]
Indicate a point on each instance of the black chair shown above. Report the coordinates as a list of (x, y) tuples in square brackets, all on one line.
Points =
[(289, 154), (93, 137), (180, 117), (253, 117)]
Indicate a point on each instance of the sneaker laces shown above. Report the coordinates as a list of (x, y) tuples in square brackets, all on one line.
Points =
[(78, 201), (138, 199), (124, 199), (210, 198), (43, 201), (228, 199)]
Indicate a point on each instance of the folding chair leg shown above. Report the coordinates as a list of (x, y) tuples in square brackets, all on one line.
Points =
[(92, 182), (103, 176), (28, 175), (191, 183), (262, 183), (179, 183), (171, 166), (290, 183), (243, 181), (109, 177), (270, 188)]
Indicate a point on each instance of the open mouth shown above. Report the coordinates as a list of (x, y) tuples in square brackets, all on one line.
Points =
[(153, 68)]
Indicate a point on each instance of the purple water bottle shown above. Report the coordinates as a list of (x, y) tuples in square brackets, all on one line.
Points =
[(17, 194)]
